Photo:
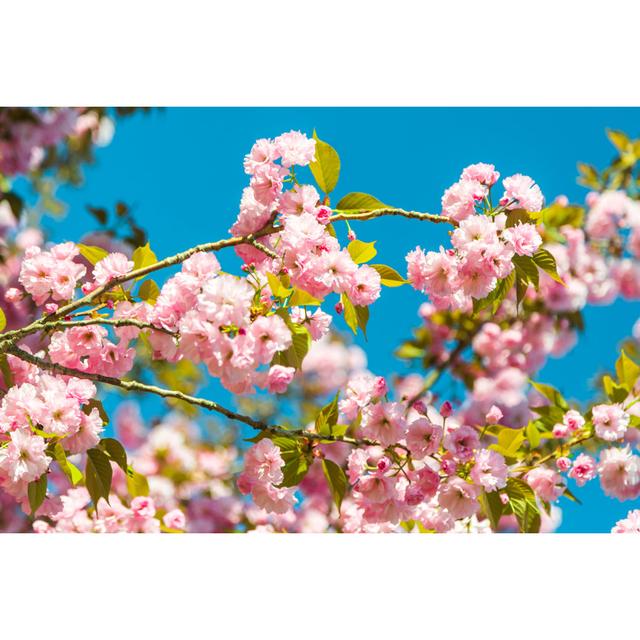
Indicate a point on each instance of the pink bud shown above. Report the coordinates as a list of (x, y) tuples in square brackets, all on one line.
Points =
[(13, 295), (380, 387), (420, 407), (383, 464), (50, 307), (110, 304), (562, 201), (446, 409), (351, 235), (339, 308), (560, 430), (494, 415), (563, 464), (323, 215)]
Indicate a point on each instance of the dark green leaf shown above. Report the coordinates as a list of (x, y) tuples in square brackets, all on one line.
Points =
[(98, 474), (523, 504), (37, 492), (336, 479), (116, 452)]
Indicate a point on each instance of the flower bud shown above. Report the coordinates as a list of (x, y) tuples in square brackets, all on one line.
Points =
[(446, 409)]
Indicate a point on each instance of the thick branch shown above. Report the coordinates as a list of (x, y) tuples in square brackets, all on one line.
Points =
[(134, 385), (387, 211)]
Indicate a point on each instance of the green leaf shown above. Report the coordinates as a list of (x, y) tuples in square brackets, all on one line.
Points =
[(37, 492), (522, 284), (149, 291), (588, 175), (68, 468), (326, 167), (526, 269), (361, 251), (533, 434), (502, 289), (301, 298), (523, 504), (516, 216), (98, 474), (627, 370), (551, 394), (3, 320), (409, 351), (92, 254), (296, 463), (277, 288), (137, 484), (116, 452), (570, 496), (143, 257), (389, 277), (358, 201), (7, 375), (327, 417), (336, 479), (301, 343), (619, 140), (615, 392), (96, 404), (350, 316), (545, 260), (492, 507)]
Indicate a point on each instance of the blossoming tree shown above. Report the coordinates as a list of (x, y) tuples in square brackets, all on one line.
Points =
[(334, 447)]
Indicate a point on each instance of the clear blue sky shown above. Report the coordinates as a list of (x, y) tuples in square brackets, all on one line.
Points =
[(181, 170)]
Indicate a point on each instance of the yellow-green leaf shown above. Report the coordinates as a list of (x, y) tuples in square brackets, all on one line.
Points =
[(326, 167), (92, 254), (358, 201), (361, 252), (149, 291), (277, 288), (389, 277), (301, 298), (143, 257), (336, 479), (3, 320)]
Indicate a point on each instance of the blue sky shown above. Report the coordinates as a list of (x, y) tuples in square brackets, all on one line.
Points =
[(181, 171)]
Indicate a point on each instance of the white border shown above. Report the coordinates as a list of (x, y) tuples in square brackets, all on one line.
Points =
[(321, 586), (326, 52)]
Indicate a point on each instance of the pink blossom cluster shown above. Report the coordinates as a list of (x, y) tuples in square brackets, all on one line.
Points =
[(261, 475), (307, 252), (483, 246), (51, 274), (42, 406)]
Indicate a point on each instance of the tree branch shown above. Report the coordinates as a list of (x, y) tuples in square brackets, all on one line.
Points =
[(134, 385)]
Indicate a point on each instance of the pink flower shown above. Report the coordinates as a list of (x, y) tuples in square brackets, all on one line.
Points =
[(630, 524), (563, 463), (546, 483), (296, 148), (494, 415), (433, 273), (271, 335), (110, 267), (459, 498), (384, 422), (279, 378), (521, 192), (610, 421), (143, 507), (584, 469), (23, 459), (461, 442), (423, 438), (489, 470), (481, 172), (460, 199), (174, 519), (365, 287), (523, 238), (573, 420), (619, 473)]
